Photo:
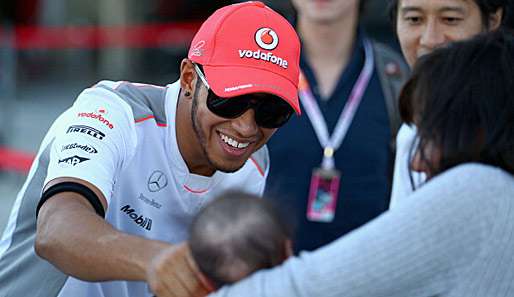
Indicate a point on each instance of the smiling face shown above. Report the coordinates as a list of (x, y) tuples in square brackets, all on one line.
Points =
[(424, 25), (225, 144)]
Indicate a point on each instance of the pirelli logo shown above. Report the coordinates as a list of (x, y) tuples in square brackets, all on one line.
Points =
[(86, 130), (141, 221)]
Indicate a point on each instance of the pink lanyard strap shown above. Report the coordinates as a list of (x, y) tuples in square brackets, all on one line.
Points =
[(331, 143)]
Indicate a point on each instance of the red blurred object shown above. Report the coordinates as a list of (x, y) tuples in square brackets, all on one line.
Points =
[(92, 37), (13, 160)]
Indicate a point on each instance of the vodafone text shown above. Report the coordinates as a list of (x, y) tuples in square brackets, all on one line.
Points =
[(265, 56), (95, 116)]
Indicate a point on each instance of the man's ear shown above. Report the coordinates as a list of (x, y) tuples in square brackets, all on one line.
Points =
[(187, 76), (495, 19)]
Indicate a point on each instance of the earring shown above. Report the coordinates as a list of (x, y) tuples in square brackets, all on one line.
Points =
[(187, 93)]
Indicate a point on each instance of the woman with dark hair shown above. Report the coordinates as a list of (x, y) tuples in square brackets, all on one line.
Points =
[(473, 122), (453, 236)]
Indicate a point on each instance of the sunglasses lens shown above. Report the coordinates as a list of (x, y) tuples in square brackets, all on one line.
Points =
[(270, 111), (273, 113), (228, 108)]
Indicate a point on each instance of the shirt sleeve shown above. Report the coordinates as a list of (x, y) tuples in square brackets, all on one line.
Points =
[(94, 140), (417, 249)]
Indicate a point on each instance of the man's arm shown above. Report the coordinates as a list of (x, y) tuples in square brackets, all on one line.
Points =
[(71, 236)]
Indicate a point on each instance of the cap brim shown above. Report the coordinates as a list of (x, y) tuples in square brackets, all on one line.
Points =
[(231, 81)]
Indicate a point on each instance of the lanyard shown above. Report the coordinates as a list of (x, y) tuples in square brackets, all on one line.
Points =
[(331, 143)]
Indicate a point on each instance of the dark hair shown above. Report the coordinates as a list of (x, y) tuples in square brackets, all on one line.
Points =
[(240, 233), (461, 98), (487, 8)]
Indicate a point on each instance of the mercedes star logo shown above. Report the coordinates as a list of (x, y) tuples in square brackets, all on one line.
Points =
[(157, 181)]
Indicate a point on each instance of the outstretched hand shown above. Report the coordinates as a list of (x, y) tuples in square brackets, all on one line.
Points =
[(173, 273)]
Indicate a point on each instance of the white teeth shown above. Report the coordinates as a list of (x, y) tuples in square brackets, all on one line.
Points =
[(233, 142)]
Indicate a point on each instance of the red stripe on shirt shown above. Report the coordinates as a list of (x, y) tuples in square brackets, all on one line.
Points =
[(258, 167), (150, 117), (193, 191)]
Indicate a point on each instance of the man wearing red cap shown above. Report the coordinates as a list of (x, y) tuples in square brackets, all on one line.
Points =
[(122, 172)]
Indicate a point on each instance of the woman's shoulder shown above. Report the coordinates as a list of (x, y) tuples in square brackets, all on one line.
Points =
[(466, 194), (474, 180), (479, 172)]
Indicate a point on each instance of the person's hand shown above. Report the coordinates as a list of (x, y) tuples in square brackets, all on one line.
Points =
[(173, 273)]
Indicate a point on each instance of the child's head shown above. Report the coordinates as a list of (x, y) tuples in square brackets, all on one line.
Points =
[(237, 234)]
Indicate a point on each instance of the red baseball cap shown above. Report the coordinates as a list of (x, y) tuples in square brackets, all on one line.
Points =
[(249, 48)]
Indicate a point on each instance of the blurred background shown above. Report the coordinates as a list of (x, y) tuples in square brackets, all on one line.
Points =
[(52, 49)]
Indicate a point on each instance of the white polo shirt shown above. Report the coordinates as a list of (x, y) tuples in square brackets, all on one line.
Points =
[(121, 137)]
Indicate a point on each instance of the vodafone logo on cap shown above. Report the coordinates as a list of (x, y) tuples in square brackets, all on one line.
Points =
[(266, 38)]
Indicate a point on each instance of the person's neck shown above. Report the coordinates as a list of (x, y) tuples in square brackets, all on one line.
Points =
[(187, 141), (328, 48)]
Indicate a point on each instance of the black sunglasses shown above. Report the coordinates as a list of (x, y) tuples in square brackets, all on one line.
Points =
[(270, 111)]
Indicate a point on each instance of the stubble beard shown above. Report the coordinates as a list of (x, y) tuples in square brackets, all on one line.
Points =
[(197, 127)]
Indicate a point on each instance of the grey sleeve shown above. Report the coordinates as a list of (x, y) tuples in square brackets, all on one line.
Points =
[(416, 249)]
